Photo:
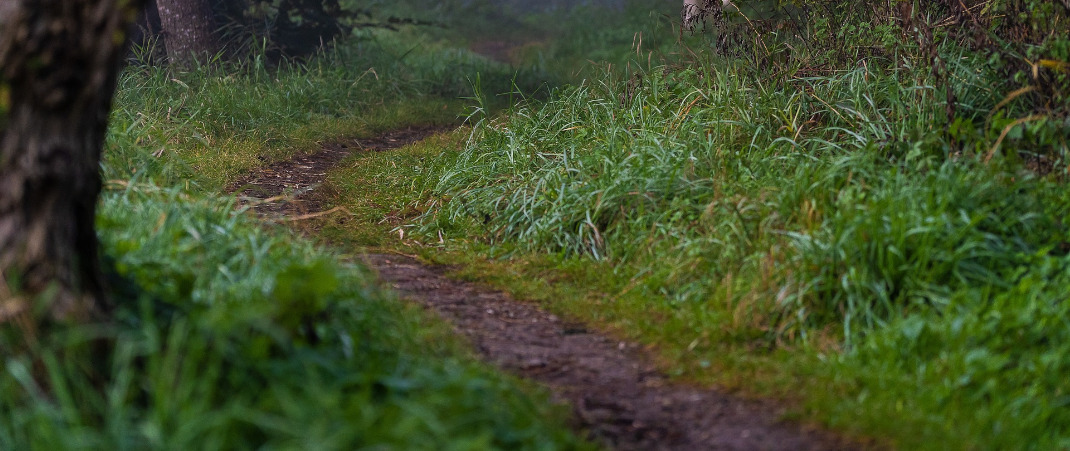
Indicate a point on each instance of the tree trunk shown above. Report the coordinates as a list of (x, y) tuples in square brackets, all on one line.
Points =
[(188, 30), (147, 26), (59, 61)]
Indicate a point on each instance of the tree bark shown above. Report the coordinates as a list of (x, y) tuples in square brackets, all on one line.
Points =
[(147, 26), (59, 61), (188, 30)]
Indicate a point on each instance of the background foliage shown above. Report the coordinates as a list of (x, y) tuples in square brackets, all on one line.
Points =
[(874, 188)]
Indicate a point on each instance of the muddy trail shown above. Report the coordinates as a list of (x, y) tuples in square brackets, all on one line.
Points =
[(618, 396)]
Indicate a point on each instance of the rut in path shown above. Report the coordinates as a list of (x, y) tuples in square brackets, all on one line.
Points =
[(617, 395)]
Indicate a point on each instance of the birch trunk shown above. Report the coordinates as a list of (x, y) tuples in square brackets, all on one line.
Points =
[(188, 30)]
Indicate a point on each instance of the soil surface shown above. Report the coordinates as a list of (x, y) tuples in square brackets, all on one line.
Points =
[(618, 396), (498, 50), (285, 189)]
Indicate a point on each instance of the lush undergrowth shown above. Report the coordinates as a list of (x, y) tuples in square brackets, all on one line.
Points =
[(229, 334), (824, 233), (215, 123), (831, 227), (764, 217)]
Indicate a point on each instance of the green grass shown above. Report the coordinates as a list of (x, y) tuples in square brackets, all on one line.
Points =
[(231, 334), (818, 238), (216, 123), (827, 237), (379, 189)]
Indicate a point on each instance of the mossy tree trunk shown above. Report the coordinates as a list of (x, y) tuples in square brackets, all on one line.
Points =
[(188, 30), (59, 61)]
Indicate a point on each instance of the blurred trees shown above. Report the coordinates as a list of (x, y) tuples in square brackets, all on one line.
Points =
[(194, 29), (1024, 43), (284, 28), (280, 29)]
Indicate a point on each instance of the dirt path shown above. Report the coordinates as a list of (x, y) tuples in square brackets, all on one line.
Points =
[(498, 50), (617, 394), (284, 189)]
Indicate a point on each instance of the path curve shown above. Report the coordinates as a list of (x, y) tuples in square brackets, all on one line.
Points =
[(617, 394)]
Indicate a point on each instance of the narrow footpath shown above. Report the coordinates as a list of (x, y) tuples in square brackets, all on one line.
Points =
[(618, 397)]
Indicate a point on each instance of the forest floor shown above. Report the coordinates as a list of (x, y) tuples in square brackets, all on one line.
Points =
[(617, 394)]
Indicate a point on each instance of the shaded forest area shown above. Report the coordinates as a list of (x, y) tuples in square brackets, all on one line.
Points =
[(854, 209)]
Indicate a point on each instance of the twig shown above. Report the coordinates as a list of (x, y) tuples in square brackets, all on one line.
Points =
[(139, 187), (1007, 129), (255, 201), (682, 116), (314, 215)]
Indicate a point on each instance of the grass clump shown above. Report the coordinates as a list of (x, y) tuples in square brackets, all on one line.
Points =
[(228, 336), (215, 123), (835, 228)]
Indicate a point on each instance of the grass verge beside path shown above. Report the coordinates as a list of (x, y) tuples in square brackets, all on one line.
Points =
[(846, 261), (382, 191), (231, 335), (827, 238)]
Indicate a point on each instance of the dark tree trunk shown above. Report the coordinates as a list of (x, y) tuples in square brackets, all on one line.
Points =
[(146, 38), (147, 26), (188, 30), (304, 26), (59, 61)]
